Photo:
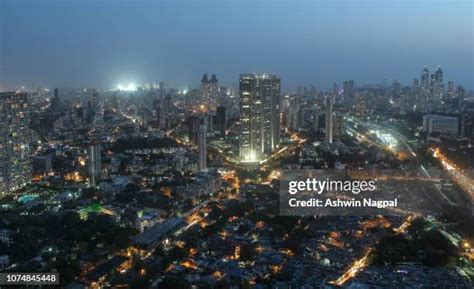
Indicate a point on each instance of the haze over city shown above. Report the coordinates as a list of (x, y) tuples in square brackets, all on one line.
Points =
[(104, 43)]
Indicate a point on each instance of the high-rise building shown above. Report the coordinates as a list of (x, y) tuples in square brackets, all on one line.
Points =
[(220, 123), (293, 112), (329, 118), (15, 169), (437, 86), (209, 92), (451, 90), (461, 94), (259, 115), (425, 89), (192, 101), (94, 163), (163, 111), (202, 148), (55, 101), (338, 125), (98, 108), (349, 89), (310, 116)]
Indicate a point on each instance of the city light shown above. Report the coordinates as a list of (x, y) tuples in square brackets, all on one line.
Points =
[(129, 87)]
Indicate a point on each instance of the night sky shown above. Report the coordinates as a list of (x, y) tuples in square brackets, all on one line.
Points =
[(102, 44)]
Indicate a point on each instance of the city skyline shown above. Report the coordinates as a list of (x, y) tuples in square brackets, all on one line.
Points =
[(236, 144), (177, 42)]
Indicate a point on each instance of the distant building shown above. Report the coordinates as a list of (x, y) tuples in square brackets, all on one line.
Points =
[(441, 124), (213, 91), (162, 89), (55, 101), (349, 90), (329, 119), (310, 118), (163, 111), (15, 169), (437, 86), (202, 148), (293, 112), (338, 126), (94, 164), (259, 115)]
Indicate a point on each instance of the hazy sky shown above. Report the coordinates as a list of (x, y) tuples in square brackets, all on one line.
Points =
[(104, 43)]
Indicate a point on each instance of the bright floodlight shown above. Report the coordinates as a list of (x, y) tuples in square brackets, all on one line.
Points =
[(129, 87)]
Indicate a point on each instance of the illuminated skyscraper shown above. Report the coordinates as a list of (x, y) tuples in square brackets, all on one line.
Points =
[(329, 119), (259, 115), (15, 169), (209, 91), (437, 86), (425, 89)]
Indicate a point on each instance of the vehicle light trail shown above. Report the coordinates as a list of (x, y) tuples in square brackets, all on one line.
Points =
[(456, 174)]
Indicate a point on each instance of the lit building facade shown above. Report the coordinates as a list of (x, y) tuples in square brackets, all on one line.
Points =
[(209, 91), (259, 116), (15, 169)]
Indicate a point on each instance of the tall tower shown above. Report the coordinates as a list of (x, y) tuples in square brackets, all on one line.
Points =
[(425, 88), (259, 115), (437, 86), (221, 120), (329, 119), (15, 169), (55, 102), (202, 148)]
